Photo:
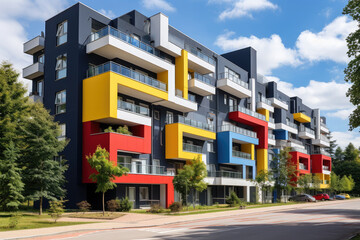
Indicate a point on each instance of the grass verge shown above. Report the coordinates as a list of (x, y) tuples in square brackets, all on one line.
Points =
[(98, 215)]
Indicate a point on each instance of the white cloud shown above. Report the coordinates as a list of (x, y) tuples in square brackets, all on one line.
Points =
[(271, 52), (109, 13), (158, 4), (243, 8), (342, 114), (329, 43), (344, 138)]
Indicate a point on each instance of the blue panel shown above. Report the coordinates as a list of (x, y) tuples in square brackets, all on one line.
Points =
[(276, 150), (281, 134)]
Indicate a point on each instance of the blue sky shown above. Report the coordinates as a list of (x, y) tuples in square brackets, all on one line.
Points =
[(300, 43)]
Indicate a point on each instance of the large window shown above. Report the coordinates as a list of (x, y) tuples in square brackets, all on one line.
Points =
[(62, 135), (61, 65), (60, 102), (61, 33), (40, 87), (230, 74), (144, 193)]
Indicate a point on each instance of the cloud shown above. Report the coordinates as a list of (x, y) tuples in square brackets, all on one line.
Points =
[(329, 43), (271, 51), (109, 13), (243, 8), (344, 138), (158, 4), (342, 114)]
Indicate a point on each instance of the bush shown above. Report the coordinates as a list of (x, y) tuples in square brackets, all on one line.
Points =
[(56, 209), (156, 208), (175, 207), (14, 219), (113, 205), (125, 205), (84, 206), (123, 130), (109, 129), (233, 200)]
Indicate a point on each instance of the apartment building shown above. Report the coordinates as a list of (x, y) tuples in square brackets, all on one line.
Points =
[(155, 99)]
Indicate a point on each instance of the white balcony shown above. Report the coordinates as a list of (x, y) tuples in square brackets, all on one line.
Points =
[(321, 142), (179, 103), (286, 127), (306, 133), (233, 86), (271, 123), (271, 139), (34, 45), (35, 97), (201, 85), (279, 103), (199, 62), (33, 71), (264, 103), (324, 129)]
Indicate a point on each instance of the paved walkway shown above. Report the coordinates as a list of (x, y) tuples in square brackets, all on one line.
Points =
[(134, 220)]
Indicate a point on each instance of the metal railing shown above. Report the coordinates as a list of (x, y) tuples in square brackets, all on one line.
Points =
[(297, 149), (225, 174), (127, 72), (308, 130), (235, 129), (248, 112), (290, 124), (234, 79), (324, 138), (192, 148), (204, 79), (302, 166), (322, 152), (199, 54), (191, 97), (133, 108), (195, 123), (264, 100), (271, 136), (296, 141), (145, 169), (241, 154)]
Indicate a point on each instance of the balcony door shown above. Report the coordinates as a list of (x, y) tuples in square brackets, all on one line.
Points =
[(232, 104)]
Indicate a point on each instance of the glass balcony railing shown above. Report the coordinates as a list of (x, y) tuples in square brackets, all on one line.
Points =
[(234, 79), (326, 182), (146, 169), (195, 123), (278, 98), (235, 129), (199, 54), (271, 136), (324, 138), (204, 79), (290, 124), (272, 120), (241, 154), (127, 72), (192, 148), (326, 168), (322, 152), (133, 108), (264, 100), (225, 174), (308, 130), (298, 149), (248, 112), (179, 93), (302, 166), (298, 142)]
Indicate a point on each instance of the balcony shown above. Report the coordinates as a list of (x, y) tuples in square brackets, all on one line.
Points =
[(229, 178), (239, 154), (323, 141), (271, 139), (35, 97), (306, 133), (326, 170), (233, 85), (248, 112), (299, 149), (192, 148), (301, 117), (278, 103), (302, 166), (295, 143), (324, 128), (34, 45), (288, 126), (302, 162), (239, 130), (33, 71), (199, 61), (225, 174), (271, 123), (201, 85), (322, 152), (147, 169), (264, 103), (132, 114)]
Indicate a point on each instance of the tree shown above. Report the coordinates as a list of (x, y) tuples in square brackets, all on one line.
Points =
[(316, 181), (333, 145), (346, 183), (11, 185), (305, 182), (339, 155), (351, 153), (334, 183), (352, 72), (106, 172), (191, 177), (56, 209), (43, 175), (349, 168), (262, 180)]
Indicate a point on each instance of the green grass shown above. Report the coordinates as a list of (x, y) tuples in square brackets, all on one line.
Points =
[(97, 215), (357, 237), (31, 220)]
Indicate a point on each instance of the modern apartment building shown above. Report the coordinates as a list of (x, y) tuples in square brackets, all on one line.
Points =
[(168, 99)]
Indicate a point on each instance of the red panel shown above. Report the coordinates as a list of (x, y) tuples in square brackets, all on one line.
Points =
[(297, 157), (318, 160), (260, 127)]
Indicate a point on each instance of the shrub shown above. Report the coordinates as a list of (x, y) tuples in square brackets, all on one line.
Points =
[(56, 209), (123, 130), (125, 205), (175, 207), (14, 219), (109, 129), (113, 205), (84, 206), (156, 208), (233, 199)]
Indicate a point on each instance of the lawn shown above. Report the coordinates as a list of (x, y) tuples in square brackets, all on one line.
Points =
[(31, 220), (97, 215)]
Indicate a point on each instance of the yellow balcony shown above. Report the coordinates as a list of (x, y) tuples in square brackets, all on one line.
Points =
[(325, 178), (301, 117)]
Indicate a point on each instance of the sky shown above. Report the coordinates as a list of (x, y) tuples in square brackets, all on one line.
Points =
[(300, 43)]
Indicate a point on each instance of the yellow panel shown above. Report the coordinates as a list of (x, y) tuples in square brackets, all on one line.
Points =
[(181, 73), (301, 117), (163, 77), (249, 148), (100, 94), (264, 112), (262, 160)]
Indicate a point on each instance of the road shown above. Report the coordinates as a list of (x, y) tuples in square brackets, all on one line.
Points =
[(338, 220)]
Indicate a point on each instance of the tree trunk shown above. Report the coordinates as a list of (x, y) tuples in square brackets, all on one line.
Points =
[(40, 206), (103, 203)]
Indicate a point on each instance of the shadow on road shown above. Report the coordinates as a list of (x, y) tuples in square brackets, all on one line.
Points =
[(348, 213)]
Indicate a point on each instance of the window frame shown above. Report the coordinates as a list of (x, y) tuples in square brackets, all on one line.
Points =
[(61, 66), (60, 102), (61, 32), (147, 194), (62, 127)]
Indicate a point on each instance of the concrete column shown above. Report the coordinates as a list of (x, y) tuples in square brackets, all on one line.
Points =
[(252, 82), (247, 193), (163, 195), (317, 123)]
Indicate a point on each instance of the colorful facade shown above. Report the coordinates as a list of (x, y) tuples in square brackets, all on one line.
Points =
[(155, 99)]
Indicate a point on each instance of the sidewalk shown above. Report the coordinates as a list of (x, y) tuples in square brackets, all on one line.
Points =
[(137, 220)]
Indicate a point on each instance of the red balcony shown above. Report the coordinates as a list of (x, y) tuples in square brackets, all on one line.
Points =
[(302, 162), (321, 164)]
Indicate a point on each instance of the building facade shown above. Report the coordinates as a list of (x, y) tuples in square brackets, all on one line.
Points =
[(155, 99)]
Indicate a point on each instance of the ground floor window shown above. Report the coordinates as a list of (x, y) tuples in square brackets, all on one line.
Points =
[(144, 193)]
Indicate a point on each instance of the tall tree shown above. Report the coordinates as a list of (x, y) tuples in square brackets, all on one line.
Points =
[(106, 172), (305, 182), (338, 156), (352, 72), (331, 149), (43, 175), (351, 153), (334, 183), (11, 185)]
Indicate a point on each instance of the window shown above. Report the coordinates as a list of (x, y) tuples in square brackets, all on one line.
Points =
[(144, 109), (61, 64), (124, 161), (210, 97), (40, 87), (157, 115), (232, 104), (189, 76), (225, 99), (60, 102), (144, 193), (61, 33), (210, 147), (169, 117), (62, 135), (41, 58), (230, 74)]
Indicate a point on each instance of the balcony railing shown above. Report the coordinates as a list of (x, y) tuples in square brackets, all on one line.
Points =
[(326, 168), (302, 166), (235, 129), (133, 108), (271, 136), (290, 124), (308, 130), (248, 112), (127, 72), (324, 138), (297, 149), (322, 152), (179, 93), (199, 54), (108, 30), (192, 148), (234, 79), (146, 169), (264, 100), (195, 123), (296, 141), (225, 174), (283, 101), (272, 120), (241, 154), (204, 79)]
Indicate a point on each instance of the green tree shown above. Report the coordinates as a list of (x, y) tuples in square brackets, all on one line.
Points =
[(338, 156), (11, 185), (346, 183), (351, 153), (316, 181), (106, 172), (305, 182), (262, 181), (334, 183), (332, 148), (43, 176), (191, 178), (56, 209)]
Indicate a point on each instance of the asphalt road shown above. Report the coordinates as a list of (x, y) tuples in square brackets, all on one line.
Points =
[(336, 221)]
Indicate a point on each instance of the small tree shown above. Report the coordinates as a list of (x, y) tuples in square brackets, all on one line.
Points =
[(191, 177), (56, 209), (113, 205), (262, 180), (106, 172), (334, 183), (316, 181), (304, 182), (84, 206)]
